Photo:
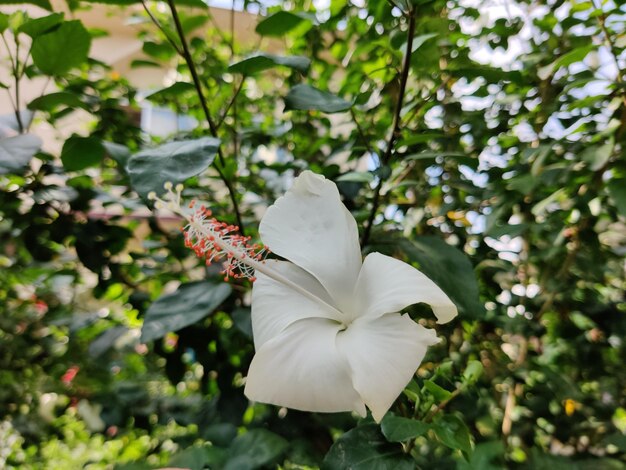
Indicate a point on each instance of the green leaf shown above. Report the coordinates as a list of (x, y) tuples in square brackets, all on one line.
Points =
[(106, 340), (16, 152), (254, 449), (472, 372), (243, 321), (418, 41), (45, 4), (171, 91), (61, 50), (143, 63), (176, 161), (161, 51), (280, 23), (262, 61), (365, 448), (38, 26), (190, 303), (79, 152), (193, 458), (118, 152), (437, 391), (483, 457), (617, 191), (306, 97), (356, 177), (575, 55), (398, 429), (597, 156), (4, 22), (453, 433), (52, 101), (542, 206)]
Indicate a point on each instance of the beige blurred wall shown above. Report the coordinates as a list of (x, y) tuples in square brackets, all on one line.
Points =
[(119, 49)]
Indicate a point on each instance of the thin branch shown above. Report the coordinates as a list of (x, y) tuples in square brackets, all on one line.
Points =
[(234, 100), (395, 130), (196, 81), (361, 133), (230, 103), (158, 24), (429, 417), (6, 44), (16, 75)]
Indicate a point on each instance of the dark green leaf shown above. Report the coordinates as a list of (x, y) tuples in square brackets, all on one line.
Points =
[(79, 153), (16, 152), (53, 100), (171, 91), (597, 156), (4, 22), (194, 458), (452, 432), (365, 448), (176, 161), (254, 449), (143, 63), (280, 23), (617, 191), (36, 27), (243, 321), (160, 51), (306, 97), (106, 341), (262, 61), (61, 50), (483, 457), (398, 429), (45, 4), (188, 304), (119, 153)]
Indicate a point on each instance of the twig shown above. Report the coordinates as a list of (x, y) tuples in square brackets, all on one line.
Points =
[(230, 103), (429, 417), (196, 81), (404, 75), (158, 24), (361, 133), (619, 77)]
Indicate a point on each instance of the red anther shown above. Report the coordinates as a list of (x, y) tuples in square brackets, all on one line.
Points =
[(252, 279)]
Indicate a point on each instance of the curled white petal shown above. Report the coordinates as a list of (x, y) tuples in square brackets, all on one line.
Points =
[(384, 354), (386, 285), (275, 306), (302, 369), (312, 228)]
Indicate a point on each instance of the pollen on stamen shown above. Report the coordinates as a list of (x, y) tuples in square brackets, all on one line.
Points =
[(213, 240)]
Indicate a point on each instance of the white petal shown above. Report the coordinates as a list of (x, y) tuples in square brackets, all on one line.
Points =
[(383, 354), (311, 227), (276, 306), (302, 369), (387, 285)]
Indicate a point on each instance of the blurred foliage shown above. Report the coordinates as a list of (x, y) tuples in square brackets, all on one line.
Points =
[(483, 142)]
